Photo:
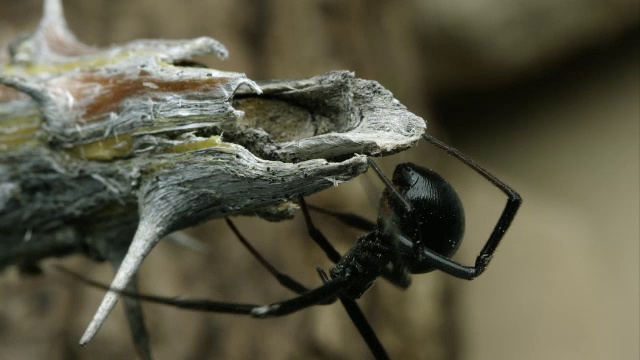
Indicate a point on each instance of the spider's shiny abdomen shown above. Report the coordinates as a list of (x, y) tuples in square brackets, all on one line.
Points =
[(437, 217)]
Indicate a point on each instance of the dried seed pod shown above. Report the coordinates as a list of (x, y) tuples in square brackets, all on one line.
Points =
[(106, 150)]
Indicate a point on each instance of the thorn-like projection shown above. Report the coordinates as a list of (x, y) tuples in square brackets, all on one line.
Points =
[(52, 42), (145, 238)]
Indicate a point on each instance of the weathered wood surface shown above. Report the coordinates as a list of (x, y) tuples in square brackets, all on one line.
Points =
[(103, 151)]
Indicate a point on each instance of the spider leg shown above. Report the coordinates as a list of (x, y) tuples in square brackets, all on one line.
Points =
[(326, 292), (350, 305), (433, 260), (408, 208), (317, 236), (349, 219), (316, 296), (358, 318), (283, 279), (405, 203), (179, 302)]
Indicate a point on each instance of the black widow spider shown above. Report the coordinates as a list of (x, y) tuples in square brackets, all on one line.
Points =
[(420, 226)]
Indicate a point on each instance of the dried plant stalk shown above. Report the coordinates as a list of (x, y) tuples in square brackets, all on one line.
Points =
[(103, 151)]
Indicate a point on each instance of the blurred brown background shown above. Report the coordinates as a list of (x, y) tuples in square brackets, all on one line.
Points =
[(544, 94)]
